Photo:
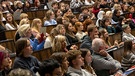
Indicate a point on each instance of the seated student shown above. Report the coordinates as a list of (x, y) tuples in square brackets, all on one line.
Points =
[(127, 33), (75, 62), (50, 67), (79, 27), (24, 59), (69, 33), (20, 72), (59, 44), (25, 32), (61, 57), (50, 18), (5, 62), (86, 54), (128, 59), (103, 63)]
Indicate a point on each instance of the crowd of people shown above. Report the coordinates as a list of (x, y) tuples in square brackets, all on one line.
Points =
[(96, 20)]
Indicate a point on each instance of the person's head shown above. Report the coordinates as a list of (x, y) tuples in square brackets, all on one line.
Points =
[(131, 9), (86, 23), (84, 10), (59, 43), (20, 72), (109, 14), (62, 6), (61, 29), (23, 16), (68, 27), (103, 34), (86, 54), (25, 30), (116, 12), (55, 5), (50, 67), (4, 59), (59, 20), (79, 26), (27, 4), (117, 6), (23, 47), (128, 44), (98, 44), (72, 18), (61, 57), (9, 17), (75, 59), (58, 13), (36, 24), (101, 15), (92, 31), (18, 4), (126, 28), (24, 21), (50, 15), (105, 22)]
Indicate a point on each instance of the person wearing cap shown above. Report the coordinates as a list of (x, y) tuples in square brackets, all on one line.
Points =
[(5, 62), (25, 32), (127, 33)]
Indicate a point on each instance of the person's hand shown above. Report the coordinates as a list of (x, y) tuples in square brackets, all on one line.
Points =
[(74, 47), (103, 53), (118, 74), (38, 36), (116, 42), (10, 64)]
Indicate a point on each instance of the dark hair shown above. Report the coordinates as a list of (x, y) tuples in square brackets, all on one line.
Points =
[(127, 47), (72, 55), (20, 45), (59, 56), (48, 66), (84, 52)]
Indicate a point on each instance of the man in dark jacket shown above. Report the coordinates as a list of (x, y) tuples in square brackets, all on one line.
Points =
[(87, 40)]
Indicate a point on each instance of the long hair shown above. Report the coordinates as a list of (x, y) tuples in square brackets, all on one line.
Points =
[(34, 24), (12, 23), (20, 45), (101, 34), (86, 66), (127, 47), (1, 23), (57, 43)]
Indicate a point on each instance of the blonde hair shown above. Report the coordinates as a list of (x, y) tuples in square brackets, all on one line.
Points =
[(23, 30), (57, 46), (23, 15), (48, 14), (24, 21), (34, 24)]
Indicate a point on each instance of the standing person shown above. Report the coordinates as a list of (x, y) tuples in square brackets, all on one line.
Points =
[(108, 65), (75, 62), (5, 62), (24, 59)]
